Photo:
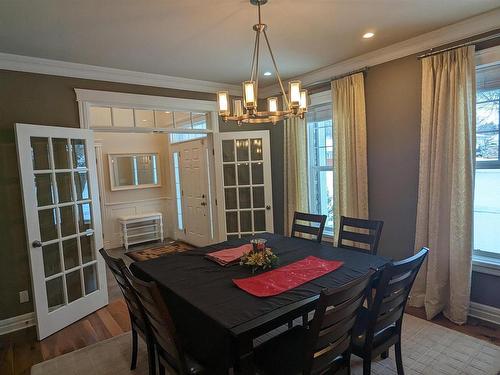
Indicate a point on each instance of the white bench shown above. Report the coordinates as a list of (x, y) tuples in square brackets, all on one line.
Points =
[(141, 228)]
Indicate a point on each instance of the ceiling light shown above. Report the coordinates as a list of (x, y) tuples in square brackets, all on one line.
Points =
[(245, 110), (368, 35)]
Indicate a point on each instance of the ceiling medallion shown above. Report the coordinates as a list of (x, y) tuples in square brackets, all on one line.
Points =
[(245, 110)]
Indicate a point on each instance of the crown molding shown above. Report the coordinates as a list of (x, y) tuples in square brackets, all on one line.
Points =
[(469, 27), (69, 69)]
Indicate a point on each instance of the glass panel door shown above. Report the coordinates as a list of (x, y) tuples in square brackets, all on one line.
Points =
[(63, 223), (247, 188)]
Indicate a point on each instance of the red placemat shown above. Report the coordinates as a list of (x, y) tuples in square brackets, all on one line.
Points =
[(288, 277)]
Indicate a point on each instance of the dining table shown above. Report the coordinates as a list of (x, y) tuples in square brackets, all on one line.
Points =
[(217, 321)]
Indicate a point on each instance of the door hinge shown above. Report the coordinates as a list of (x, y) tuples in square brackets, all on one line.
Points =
[(216, 201), (213, 151)]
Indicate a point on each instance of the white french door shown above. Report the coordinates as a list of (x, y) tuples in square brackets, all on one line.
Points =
[(63, 224), (191, 173), (245, 187)]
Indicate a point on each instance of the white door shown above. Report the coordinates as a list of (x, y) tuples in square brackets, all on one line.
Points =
[(192, 182), (63, 224), (246, 186)]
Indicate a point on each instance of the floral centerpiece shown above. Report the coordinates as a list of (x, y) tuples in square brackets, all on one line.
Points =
[(260, 257)]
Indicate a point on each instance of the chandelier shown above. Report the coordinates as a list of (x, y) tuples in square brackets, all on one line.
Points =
[(245, 109)]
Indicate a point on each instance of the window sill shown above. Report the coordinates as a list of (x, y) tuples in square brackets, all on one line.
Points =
[(486, 265)]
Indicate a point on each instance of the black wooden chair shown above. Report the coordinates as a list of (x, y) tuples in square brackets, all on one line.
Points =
[(170, 353), (324, 345), (379, 328), (366, 233), (307, 227), (138, 320)]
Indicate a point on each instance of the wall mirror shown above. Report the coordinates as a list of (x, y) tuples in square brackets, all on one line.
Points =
[(134, 171)]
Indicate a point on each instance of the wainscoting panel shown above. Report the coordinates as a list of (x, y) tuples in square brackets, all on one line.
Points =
[(111, 225)]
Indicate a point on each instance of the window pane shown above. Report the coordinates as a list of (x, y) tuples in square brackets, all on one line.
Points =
[(320, 157), (487, 210)]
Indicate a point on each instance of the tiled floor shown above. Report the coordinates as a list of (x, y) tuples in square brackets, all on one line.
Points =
[(428, 349)]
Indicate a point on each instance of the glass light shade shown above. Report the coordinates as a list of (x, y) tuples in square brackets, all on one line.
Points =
[(249, 94), (272, 104), (237, 107), (303, 100), (223, 103), (294, 92)]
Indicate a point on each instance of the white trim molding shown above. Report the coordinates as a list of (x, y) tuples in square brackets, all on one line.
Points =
[(486, 265), (484, 312), (38, 65), (16, 323), (467, 28)]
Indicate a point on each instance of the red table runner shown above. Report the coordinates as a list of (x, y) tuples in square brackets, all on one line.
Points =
[(288, 277)]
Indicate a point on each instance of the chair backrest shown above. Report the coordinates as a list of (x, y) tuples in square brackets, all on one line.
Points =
[(118, 267), (161, 324), (334, 317), (366, 233), (307, 227), (391, 294)]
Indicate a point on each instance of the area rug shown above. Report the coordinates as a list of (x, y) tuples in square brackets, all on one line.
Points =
[(156, 252), (428, 349)]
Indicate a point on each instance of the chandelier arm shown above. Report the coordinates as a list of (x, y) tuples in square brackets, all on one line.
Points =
[(257, 66), (254, 54), (276, 70)]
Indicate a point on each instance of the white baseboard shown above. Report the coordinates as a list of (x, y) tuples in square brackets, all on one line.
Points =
[(484, 312), (16, 323)]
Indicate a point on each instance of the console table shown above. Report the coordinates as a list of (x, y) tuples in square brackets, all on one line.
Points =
[(141, 228)]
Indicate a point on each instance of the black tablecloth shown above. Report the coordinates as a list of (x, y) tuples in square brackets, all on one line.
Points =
[(207, 306)]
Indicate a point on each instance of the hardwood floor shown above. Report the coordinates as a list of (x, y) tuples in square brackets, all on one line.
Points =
[(20, 350)]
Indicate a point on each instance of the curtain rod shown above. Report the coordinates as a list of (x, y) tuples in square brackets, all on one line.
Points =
[(319, 83), (475, 41)]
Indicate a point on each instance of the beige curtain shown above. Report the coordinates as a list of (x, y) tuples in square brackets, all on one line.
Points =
[(446, 180), (350, 176), (295, 167)]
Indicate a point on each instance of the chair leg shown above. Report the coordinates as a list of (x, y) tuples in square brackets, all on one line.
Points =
[(367, 366), (151, 358), (305, 320), (385, 354), (399, 358), (133, 362), (161, 368), (347, 359)]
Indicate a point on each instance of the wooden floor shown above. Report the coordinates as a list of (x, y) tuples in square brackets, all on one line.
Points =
[(20, 350)]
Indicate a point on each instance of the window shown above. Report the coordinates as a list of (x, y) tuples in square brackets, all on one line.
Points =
[(487, 183), (320, 159), (191, 121), (178, 191)]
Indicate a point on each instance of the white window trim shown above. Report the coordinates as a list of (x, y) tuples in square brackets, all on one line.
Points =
[(89, 98), (481, 263)]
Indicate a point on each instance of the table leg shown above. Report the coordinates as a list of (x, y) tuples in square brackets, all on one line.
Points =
[(245, 359)]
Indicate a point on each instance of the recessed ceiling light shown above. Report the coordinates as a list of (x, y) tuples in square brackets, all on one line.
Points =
[(368, 35), (267, 73)]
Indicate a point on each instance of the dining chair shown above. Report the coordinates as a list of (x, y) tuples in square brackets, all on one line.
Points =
[(379, 327), (364, 237), (137, 315), (307, 228), (169, 351), (324, 345)]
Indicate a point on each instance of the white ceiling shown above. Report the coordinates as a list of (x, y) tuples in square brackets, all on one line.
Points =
[(213, 39)]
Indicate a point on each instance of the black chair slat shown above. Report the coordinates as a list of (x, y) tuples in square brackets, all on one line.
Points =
[(305, 229), (333, 333), (341, 312), (324, 360), (361, 223), (392, 303), (308, 229), (358, 237), (388, 319)]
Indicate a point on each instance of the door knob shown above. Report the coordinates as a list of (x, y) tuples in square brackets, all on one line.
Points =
[(203, 203), (268, 207), (36, 243)]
